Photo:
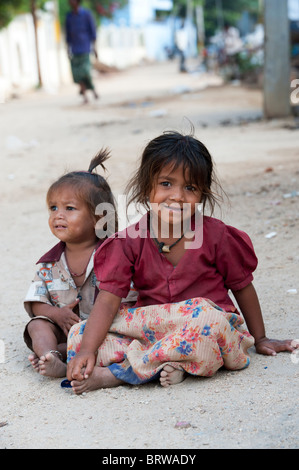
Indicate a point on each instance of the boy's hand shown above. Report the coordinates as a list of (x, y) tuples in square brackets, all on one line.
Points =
[(66, 318), (81, 366), (271, 347)]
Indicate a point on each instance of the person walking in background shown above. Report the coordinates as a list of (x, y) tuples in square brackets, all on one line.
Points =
[(181, 42), (81, 37)]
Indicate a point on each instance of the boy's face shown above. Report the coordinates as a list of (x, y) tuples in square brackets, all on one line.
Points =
[(69, 217), (173, 199), (74, 4)]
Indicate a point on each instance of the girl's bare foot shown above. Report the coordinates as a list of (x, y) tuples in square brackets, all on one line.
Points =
[(101, 377), (33, 359), (51, 366), (171, 376)]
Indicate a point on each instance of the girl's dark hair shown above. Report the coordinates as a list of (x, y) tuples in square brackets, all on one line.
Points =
[(89, 187), (175, 148)]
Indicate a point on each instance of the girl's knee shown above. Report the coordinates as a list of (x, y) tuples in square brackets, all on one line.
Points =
[(77, 329)]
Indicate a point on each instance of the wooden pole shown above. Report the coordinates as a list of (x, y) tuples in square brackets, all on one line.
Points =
[(277, 59)]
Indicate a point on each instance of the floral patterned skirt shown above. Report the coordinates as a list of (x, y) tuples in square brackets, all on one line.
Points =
[(194, 335)]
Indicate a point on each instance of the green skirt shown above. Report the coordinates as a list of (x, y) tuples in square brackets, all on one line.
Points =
[(81, 70)]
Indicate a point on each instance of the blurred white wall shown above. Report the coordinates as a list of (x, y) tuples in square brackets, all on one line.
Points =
[(18, 64)]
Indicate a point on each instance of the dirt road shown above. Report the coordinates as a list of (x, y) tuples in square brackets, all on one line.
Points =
[(42, 136)]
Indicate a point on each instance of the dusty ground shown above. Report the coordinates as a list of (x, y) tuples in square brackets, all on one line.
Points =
[(42, 136)]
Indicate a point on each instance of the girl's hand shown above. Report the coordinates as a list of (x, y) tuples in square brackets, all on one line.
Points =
[(81, 366), (271, 347)]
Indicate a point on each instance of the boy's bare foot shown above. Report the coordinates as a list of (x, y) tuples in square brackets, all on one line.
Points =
[(171, 376), (33, 358), (101, 377), (51, 366)]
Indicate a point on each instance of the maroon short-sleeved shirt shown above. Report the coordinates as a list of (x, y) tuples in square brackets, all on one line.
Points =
[(225, 261)]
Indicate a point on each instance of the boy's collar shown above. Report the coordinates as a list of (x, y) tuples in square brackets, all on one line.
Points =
[(55, 253)]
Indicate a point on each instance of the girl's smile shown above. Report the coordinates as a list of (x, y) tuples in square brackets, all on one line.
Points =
[(172, 207), (173, 199)]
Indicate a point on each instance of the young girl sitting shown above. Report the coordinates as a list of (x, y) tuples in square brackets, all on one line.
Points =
[(183, 266), (65, 287)]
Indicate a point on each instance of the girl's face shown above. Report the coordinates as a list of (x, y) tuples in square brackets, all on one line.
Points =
[(174, 199), (70, 219)]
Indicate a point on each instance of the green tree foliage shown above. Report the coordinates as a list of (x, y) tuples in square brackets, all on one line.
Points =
[(231, 11), (100, 8), (8, 9), (225, 11)]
